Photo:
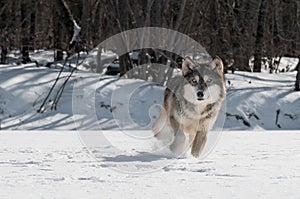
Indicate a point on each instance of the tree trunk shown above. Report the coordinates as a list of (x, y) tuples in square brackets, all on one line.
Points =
[(260, 35), (26, 9), (276, 38), (25, 51), (3, 55), (178, 23), (125, 64), (86, 20), (124, 60), (215, 23), (156, 14), (16, 8), (57, 33), (64, 21), (297, 84)]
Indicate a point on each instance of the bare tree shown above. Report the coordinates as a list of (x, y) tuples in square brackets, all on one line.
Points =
[(64, 22), (297, 83), (259, 43)]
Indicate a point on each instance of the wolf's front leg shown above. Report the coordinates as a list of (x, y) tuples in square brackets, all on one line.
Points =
[(199, 143)]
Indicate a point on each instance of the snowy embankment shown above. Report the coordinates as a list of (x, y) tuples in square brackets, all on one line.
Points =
[(254, 101), (57, 165), (262, 101)]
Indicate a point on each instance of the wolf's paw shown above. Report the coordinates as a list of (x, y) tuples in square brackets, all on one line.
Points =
[(179, 148), (195, 154)]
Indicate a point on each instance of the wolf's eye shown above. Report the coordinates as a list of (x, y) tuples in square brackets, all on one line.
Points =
[(209, 81), (194, 81)]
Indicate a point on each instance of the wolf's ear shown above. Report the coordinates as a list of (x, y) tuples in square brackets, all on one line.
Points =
[(217, 65), (187, 65)]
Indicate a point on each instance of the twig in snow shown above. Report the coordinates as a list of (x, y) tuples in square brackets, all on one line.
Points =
[(238, 117), (277, 116), (292, 117), (253, 115)]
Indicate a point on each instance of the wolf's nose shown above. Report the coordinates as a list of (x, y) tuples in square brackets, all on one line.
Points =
[(200, 94)]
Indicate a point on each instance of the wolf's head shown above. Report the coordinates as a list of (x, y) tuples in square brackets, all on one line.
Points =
[(204, 82)]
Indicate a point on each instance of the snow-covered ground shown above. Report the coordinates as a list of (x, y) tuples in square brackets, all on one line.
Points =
[(258, 98), (121, 159), (55, 164)]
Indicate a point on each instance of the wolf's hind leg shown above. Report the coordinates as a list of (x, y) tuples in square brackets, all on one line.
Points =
[(162, 130), (165, 134), (178, 145)]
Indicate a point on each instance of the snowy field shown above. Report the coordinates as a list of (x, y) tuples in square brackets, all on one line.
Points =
[(253, 152), (55, 164)]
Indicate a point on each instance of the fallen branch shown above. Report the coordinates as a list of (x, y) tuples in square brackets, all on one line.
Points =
[(238, 117), (61, 90), (292, 117), (276, 120), (42, 107), (253, 115)]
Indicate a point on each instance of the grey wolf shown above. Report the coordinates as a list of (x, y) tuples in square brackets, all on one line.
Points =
[(192, 102)]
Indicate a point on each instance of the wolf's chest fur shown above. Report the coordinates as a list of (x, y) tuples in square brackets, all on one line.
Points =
[(190, 116)]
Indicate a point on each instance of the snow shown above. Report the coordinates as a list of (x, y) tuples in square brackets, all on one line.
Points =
[(98, 143), (263, 94), (107, 102), (51, 164), (90, 62)]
